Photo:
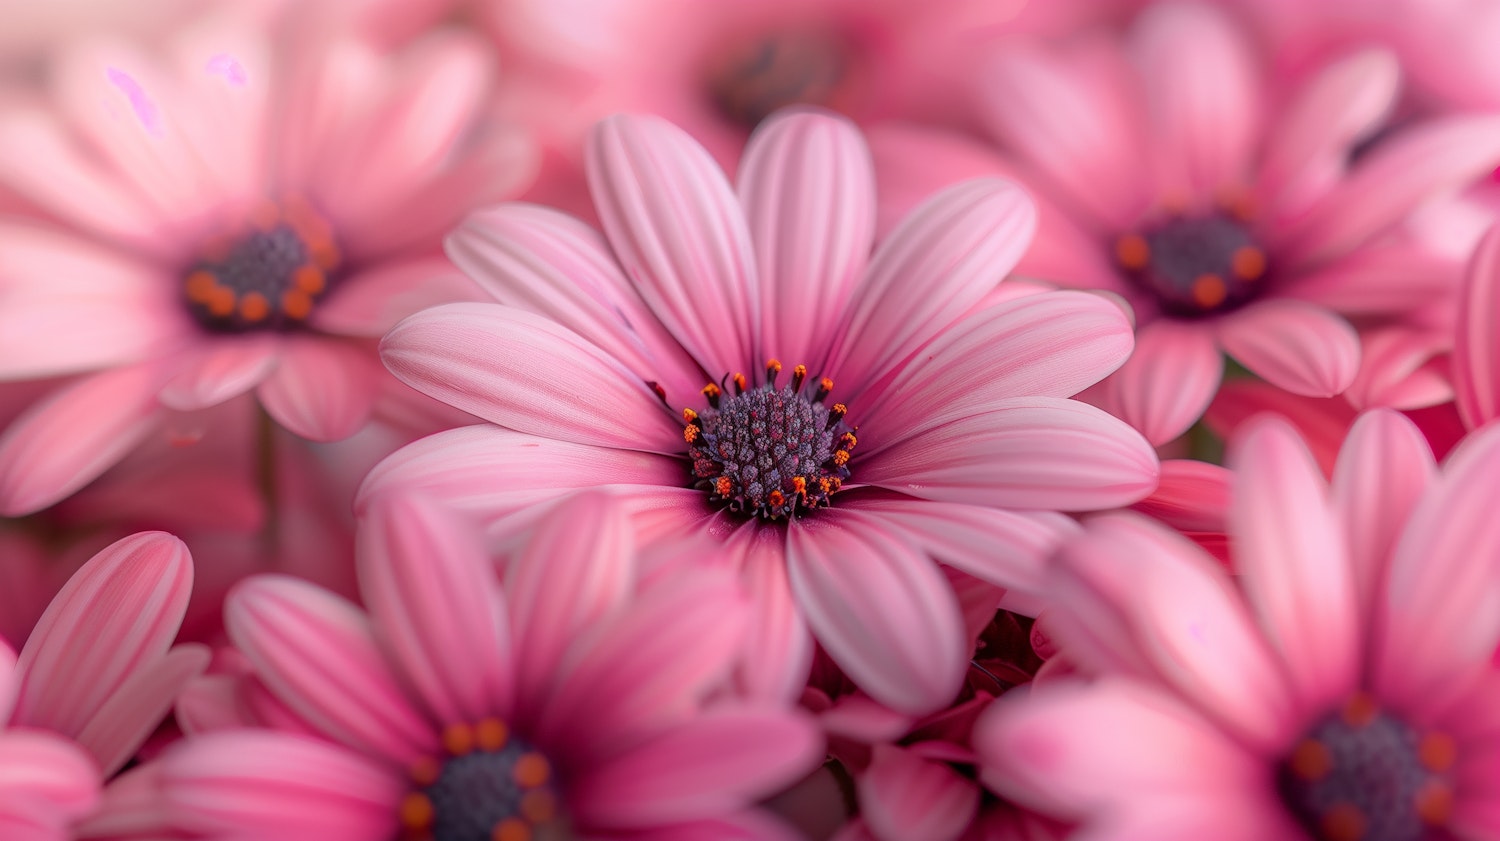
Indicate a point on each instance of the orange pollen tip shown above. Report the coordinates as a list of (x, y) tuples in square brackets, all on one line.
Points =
[(688, 415), (1343, 822), (296, 303), (1437, 752), (1209, 290), (839, 409), (848, 440), (416, 811), (777, 498), (1360, 711), (1248, 262), (690, 434), (310, 279), (826, 384), (1132, 252), (739, 381), (221, 302), (799, 371), (841, 457), (531, 770), (799, 484), (511, 829), (711, 390), (1311, 760), (425, 771), (538, 806), (200, 286), (1435, 803), (723, 486), (491, 734), (254, 306), (825, 485), (773, 366), (458, 739)]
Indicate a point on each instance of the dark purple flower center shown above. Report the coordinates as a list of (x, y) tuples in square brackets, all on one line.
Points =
[(1361, 774), (769, 452), (491, 786), (750, 80), (266, 276), (1194, 264)]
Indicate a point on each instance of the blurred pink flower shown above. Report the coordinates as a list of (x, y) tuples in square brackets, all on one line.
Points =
[(960, 418), (1346, 693), (238, 212), (576, 690), (1171, 170)]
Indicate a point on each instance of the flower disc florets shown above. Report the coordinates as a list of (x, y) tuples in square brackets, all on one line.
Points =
[(1195, 264), (769, 452)]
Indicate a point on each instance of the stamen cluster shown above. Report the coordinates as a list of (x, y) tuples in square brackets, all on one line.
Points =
[(769, 452), (491, 786)]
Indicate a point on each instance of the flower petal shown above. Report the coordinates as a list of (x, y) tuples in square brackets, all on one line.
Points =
[(714, 763), (220, 370), (432, 594), (139, 705), (776, 667), (565, 579), (369, 303), (1302, 348), (673, 220), (134, 594), (1202, 90), (1383, 470), (939, 262), (525, 372), (1053, 344), (1441, 596), (264, 784), (45, 779), (492, 473), (549, 263), (881, 610), (67, 439), (323, 390), (1384, 188), (319, 654), (1168, 381), (903, 795), (808, 187), (1024, 452), (1294, 561), (1476, 348), (1386, 280)]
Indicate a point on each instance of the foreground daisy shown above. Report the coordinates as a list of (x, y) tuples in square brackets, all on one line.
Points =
[(1347, 694), (862, 414), (244, 211), (573, 696)]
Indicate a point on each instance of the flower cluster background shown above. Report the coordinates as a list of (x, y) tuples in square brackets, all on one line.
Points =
[(757, 420)]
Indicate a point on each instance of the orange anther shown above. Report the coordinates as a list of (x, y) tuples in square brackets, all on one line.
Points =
[(491, 734), (773, 366), (538, 806), (1209, 290), (531, 770), (254, 306), (296, 303), (1437, 752), (825, 384), (326, 255), (200, 286), (841, 457), (723, 486), (458, 739), (1248, 262), (799, 484), (800, 372), (777, 499), (688, 415), (1435, 802), (1132, 252), (690, 433), (511, 829), (221, 302), (310, 279), (416, 811), (1311, 760), (1343, 822), (848, 440), (1360, 710)]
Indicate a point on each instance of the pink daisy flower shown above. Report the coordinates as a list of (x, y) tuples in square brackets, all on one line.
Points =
[(571, 695), (898, 429), (234, 213), (1171, 170), (1346, 693)]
